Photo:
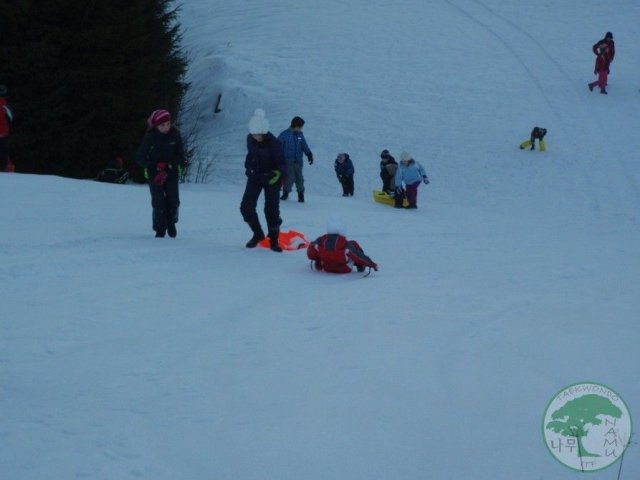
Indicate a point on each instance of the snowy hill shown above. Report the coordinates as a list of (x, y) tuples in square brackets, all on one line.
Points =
[(125, 356)]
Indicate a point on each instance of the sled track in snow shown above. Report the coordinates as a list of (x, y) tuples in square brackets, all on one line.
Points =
[(504, 42)]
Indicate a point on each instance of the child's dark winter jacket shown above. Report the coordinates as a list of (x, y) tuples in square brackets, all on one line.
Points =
[(294, 145), (344, 168), (386, 164), (539, 133), (264, 158), (333, 253), (157, 148), (388, 168)]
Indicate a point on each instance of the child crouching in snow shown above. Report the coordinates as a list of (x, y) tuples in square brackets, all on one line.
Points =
[(411, 174), (344, 171), (333, 253), (536, 133)]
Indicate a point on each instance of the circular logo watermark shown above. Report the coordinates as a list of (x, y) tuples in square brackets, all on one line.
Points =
[(587, 426)]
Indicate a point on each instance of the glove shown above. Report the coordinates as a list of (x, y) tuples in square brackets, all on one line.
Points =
[(340, 177), (310, 158), (161, 175), (399, 191), (160, 178), (425, 179), (275, 176)]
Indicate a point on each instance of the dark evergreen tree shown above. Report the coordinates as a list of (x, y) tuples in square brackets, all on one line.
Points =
[(83, 77)]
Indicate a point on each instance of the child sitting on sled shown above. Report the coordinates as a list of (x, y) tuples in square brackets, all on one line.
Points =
[(410, 173), (344, 171), (539, 133), (333, 253)]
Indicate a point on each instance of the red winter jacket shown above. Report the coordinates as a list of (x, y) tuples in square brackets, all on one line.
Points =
[(333, 253), (5, 117), (604, 50)]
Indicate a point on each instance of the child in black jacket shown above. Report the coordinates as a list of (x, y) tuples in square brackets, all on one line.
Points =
[(344, 171)]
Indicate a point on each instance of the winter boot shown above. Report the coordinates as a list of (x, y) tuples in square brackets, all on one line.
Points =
[(603, 91), (591, 85), (301, 197), (273, 240), (258, 235), (285, 195), (160, 233), (171, 230)]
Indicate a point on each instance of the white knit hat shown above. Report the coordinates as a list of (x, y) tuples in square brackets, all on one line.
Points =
[(259, 123), (405, 156), (336, 225)]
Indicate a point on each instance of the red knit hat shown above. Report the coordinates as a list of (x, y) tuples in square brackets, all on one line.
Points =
[(158, 117)]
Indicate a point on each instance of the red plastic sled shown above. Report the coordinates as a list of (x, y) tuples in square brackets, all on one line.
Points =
[(289, 240)]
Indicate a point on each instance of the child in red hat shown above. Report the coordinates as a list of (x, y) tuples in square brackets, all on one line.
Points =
[(161, 155)]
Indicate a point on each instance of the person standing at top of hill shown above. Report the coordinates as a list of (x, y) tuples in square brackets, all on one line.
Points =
[(604, 50), (294, 145), (6, 117)]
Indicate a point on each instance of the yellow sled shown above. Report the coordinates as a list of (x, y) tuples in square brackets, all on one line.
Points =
[(381, 197), (527, 144)]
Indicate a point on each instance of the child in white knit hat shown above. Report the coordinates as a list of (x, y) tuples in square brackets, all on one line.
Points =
[(264, 167)]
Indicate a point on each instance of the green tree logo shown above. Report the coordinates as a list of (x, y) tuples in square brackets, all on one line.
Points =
[(587, 426)]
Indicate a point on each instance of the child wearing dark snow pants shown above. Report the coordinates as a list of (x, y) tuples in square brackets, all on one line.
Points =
[(264, 166), (344, 171), (388, 168), (161, 155)]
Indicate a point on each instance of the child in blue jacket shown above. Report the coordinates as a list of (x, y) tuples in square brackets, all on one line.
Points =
[(344, 171), (410, 173)]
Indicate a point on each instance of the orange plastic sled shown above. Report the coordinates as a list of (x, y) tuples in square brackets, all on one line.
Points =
[(289, 240)]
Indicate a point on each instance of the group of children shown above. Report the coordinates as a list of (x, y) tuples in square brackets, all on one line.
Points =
[(333, 252), (401, 181)]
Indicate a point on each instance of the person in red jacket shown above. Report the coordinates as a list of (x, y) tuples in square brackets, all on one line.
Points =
[(5, 123), (604, 50), (333, 253)]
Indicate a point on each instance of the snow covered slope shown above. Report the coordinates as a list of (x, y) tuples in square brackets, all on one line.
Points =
[(125, 356)]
